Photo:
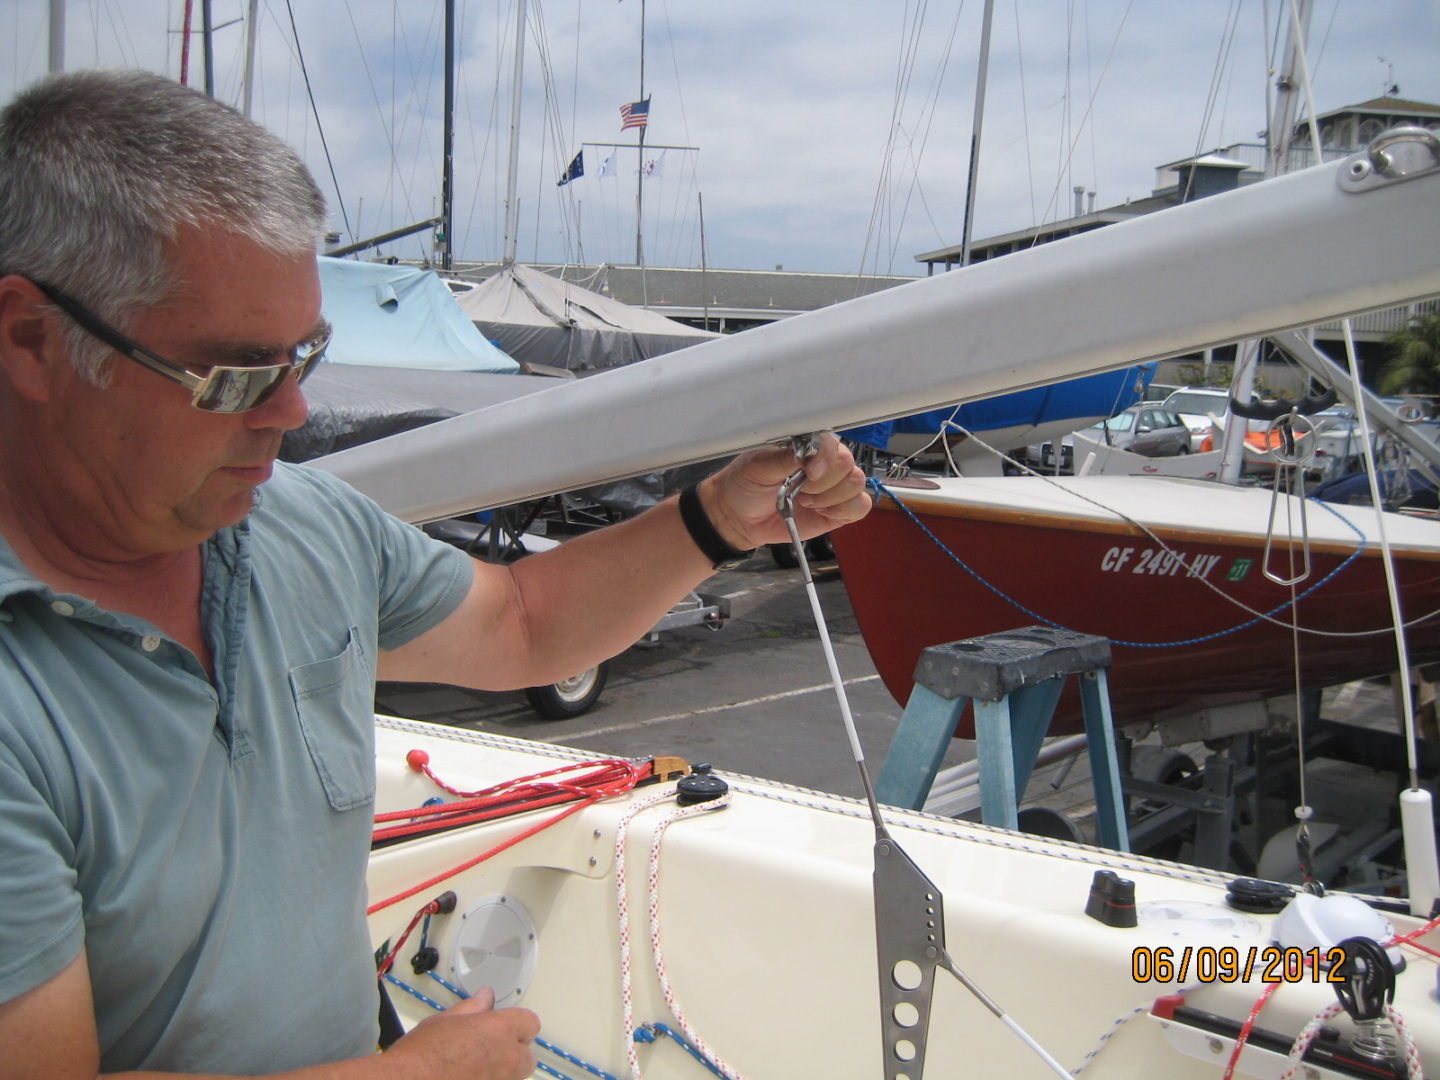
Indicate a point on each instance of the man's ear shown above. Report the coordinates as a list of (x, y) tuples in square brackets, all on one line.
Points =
[(30, 338)]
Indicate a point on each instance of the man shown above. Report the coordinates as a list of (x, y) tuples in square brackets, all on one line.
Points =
[(190, 632)]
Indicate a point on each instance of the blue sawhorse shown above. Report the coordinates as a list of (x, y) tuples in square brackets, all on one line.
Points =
[(1014, 679)]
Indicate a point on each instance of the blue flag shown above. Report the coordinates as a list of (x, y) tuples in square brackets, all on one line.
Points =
[(574, 170)]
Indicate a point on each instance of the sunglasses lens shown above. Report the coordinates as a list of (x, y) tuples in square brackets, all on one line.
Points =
[(308, 361), (231, 390)]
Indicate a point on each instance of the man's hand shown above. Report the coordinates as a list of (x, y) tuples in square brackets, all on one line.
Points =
[(740, 499), (470, 1041)]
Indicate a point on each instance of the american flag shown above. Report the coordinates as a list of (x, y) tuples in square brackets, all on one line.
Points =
[(634, 115)]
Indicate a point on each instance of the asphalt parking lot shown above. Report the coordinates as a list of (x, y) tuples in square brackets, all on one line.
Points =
[(752, 697)]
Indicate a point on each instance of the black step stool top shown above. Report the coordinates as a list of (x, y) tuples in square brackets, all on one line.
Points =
[(992, 666)]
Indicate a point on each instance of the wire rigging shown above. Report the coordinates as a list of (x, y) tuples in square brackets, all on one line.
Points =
[(928, 112), (1227, 42), (1053, 203), (387, 128), (482, 154), (910, 28), (1024, 109), (315, 111)]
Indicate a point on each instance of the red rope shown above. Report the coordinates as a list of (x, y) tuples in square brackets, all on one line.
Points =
[(606, 777), (1409, 939), (429, 909), (1244, 1035)]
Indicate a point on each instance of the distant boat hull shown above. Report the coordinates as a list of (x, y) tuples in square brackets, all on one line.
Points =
[(1178, 645)]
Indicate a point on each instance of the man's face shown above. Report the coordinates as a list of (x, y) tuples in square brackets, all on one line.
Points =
[(154, 473)]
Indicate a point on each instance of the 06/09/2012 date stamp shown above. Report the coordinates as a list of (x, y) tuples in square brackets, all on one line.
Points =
[(1208, 964)]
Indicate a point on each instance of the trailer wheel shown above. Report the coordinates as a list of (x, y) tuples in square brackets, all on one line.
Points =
[(569, 697), (1161, 765), (784, 556), (817, 549)]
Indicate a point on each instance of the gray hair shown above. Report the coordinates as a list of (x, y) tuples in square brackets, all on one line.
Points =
[(100, 169)]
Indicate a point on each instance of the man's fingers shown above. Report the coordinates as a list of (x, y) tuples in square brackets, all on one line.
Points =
[(483, 1000), (833, 488)]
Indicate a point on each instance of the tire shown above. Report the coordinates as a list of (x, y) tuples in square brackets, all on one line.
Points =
[(569, 697), (819, 548), (1162, 765), (1042, 821), (1173, 768), (784, 556)]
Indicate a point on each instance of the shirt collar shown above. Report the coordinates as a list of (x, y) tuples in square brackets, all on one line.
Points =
[(17, 580)]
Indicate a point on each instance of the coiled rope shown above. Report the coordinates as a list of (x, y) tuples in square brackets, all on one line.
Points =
[(604, 778), (622, 911)]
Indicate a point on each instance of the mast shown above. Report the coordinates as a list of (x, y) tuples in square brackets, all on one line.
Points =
[(512, 205), (1282, 115), (207, 41), (640, 156), (975, 128), (251, 32), (447, 170), (185, 45), (704, 288), (57, 35), (1277, 161)]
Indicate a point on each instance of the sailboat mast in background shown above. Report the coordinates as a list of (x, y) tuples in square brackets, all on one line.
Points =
[(981, 75), (57, 35), (640, 172), (1277, 162), (512, 204), (447, 167)]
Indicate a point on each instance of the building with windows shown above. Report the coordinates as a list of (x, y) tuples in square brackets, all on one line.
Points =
[(1343, 132)]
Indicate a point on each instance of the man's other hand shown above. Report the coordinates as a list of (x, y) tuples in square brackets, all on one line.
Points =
[(471, 1041)]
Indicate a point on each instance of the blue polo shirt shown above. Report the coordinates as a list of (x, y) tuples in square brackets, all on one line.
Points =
[(207, 842)]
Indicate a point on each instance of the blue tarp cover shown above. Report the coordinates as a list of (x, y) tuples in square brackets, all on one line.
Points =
[(1099, 395), (401, 316)]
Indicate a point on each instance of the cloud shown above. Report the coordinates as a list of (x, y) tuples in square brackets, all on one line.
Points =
[(827, 141)]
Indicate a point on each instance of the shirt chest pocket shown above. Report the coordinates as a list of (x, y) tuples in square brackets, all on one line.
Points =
[(334, 699)]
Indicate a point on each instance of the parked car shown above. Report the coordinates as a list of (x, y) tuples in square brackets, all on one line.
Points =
[(1196, 404), (1147, 430)]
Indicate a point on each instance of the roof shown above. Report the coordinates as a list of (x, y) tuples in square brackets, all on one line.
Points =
[(1214, 161), (1395, 105)]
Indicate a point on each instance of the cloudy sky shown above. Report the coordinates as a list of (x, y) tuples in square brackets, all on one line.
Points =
[(831, 136)]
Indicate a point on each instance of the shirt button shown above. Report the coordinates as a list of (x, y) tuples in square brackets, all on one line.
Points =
[(150, 642), (62, 607)]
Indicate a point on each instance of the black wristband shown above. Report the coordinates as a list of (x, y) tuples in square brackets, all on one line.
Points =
[(698, 524)]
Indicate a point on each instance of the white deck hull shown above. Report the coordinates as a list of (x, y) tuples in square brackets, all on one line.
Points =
[(768, 932)]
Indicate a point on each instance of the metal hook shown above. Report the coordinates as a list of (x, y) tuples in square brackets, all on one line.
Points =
[(1289, 464)]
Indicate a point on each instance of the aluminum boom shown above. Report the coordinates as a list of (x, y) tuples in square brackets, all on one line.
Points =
[(1318, 244)]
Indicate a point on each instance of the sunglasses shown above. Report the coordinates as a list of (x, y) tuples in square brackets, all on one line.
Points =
[(221, 389)]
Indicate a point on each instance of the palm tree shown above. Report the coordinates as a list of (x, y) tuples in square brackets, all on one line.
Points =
[(1414, 363)]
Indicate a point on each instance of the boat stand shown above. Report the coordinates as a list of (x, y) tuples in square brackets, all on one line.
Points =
[(1014, 679)]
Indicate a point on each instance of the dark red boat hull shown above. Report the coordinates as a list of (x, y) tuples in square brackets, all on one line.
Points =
[(1176, 645)]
